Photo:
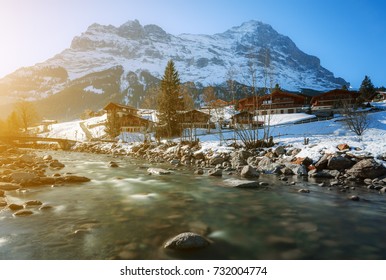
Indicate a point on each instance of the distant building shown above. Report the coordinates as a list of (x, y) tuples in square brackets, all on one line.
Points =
[(278, 102), (245, 119), (333, 101), (47, 124), (193, 119), (126, 119)]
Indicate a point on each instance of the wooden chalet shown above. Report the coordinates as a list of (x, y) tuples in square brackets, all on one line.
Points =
[(334, 100), (193, 118), (381, 96), (278, 102), (127, 118), (245, 119)]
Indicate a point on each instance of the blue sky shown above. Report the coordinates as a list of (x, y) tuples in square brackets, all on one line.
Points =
[(347, 36)]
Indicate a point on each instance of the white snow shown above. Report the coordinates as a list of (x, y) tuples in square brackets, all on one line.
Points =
[(73, 130), (94, 90), (324, 136)]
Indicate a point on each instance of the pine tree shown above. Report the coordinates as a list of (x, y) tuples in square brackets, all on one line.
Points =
[(366, 90), (170, 100)]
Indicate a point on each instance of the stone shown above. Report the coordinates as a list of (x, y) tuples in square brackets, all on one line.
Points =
[(279, 151), (46, 207), (24, 177), (367, 168), (342, 147), (158, 171), (23, 213), (187, 241), (354, 198), (9, 186), (249, 172), (3, 202), (328, 174), (57, 165), (215, 172), (302, 170), (75, 179), (15, 207), (47, 157), (216, 160), (304, 191), (47, 180), (199, 171), (113, 164), (305, 161), (33, 203), (236, 183), (175, 162), (322, 162), (339, 163), (27, 158)]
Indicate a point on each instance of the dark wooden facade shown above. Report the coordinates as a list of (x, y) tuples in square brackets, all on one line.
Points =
[(278, 102), (127, 118), (194, 118), (334, 100), (246, 118)]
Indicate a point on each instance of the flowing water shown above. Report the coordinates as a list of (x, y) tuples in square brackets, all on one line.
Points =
[(124, 213)]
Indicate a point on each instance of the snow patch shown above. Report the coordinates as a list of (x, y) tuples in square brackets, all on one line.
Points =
[(94, 90)]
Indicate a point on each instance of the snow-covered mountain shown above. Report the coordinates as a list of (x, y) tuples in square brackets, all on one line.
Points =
[(120, 62)]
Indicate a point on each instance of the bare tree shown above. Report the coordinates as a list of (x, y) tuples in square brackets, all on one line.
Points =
[(356, 121), (26, 113), (209, 98)]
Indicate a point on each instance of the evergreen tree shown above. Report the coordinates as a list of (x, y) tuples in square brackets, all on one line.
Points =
[(366, 90), (170, 100)]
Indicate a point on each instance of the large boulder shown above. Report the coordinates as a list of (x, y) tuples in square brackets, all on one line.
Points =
[(9, 186), (244, 184), (339, 163), (249, 172), (239, 158), (24, 177), (322, 162), (216, 160), (367, 168), (187, 241)]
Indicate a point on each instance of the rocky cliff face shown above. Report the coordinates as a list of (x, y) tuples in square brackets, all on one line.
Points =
[(141, 53)]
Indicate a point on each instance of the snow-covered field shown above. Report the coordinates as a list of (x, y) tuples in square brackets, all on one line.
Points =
[(324, 136), (92, 128)]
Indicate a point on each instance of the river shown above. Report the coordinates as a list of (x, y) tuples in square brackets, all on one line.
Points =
[(125, 213)]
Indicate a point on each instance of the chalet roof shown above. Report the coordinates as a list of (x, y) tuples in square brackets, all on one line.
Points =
[(194, 111), (335, 92), (279, 93), (112, 105)]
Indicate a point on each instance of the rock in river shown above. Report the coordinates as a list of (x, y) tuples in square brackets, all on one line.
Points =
[(249, 172), (158, 171), (187, 241), (236, 183)]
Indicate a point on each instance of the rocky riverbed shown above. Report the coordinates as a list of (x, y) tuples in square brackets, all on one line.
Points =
[(204, 217), (344, 169), (23, 169)]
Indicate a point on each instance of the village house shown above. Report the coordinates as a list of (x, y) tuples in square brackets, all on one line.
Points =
[(381, 96), (127, 119), (245, 119), (193, 119), (333, 101), (278, 102)]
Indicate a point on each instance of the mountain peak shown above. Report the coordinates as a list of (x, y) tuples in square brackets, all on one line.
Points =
[(135, 54)]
